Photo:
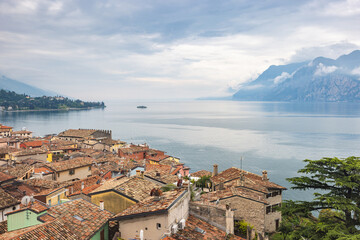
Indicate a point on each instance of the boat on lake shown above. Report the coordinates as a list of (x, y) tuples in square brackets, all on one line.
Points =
[(141, 106)]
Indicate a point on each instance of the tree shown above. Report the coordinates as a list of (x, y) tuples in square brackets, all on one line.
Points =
[(337, 197)]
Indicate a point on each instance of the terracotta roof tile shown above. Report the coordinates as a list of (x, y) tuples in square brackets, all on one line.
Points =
[(235, 191), (5, 177), (6, 200), (201, 173), (50, 230), (79, 133), (70, 164), (231, 175), (71, 213), (151, 205), (3, 227), (134, 187)]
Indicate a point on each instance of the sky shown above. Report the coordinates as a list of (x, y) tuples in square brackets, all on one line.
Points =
[(166, 49)]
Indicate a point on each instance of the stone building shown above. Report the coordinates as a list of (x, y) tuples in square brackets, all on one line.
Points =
[(253, 197), (80, 135)]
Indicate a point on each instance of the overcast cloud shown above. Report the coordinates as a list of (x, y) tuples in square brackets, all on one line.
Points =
[(137, 49)]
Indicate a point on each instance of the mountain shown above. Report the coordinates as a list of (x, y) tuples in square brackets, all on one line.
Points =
[(320, 80), (22, 88)]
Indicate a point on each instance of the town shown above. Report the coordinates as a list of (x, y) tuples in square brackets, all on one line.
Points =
[(83, 184)]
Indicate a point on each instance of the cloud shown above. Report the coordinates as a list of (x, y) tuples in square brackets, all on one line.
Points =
[(322, 70), (163, 49), (282, 77), (343, 8), (356, 71)]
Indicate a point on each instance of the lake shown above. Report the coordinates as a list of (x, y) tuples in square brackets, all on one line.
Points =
[(268, 135)]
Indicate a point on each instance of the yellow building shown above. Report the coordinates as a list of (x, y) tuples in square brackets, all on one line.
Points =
[(52, 197), (122, 193)]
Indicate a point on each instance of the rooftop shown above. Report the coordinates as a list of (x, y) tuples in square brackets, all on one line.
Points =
[(235, 191), (134, 187), (78, 133), (201, 173), (251, 179), (92, 217), (6, 177), (70, 164), (6, 200), (151, 206)]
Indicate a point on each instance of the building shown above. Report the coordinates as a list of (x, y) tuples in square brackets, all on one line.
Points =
[(80, 135), (5, 131), (76, 219), (34, 144), (73, 169), (119, 194), (155, 216), (52, 197), (22, 134), (7, 204), (253, 197)]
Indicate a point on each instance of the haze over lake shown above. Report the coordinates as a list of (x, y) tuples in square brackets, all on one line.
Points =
[(270, 136)]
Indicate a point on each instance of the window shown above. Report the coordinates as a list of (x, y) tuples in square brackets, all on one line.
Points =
[(158, 226), (58, 174), (14, 208), (268, 209), (49, 202), (72, 171), (58, 198), (274, 193), (89, 168), (268, 195)]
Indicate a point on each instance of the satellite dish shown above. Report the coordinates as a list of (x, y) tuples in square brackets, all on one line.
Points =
[(25, 200), (24, 128)]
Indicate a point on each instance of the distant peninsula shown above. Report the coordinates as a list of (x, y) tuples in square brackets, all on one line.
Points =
[(11, 101), (319, 80)]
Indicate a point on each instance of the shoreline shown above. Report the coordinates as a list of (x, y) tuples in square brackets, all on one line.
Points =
[(43, 110)]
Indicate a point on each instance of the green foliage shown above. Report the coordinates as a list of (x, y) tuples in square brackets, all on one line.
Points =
[(24, 102), (337, 182), (168, 187), (241, 228), (204, 181)]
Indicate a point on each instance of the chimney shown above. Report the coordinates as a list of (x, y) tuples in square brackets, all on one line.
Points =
[(138, 173), (264, 176), (82, 185), (215, 171), (101, 205)]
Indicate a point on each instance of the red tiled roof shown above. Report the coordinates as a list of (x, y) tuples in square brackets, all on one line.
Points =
[(134, 187), (50, 230), (3, 227), (93, 217), (254, 180), (149, 205), (5, 177), (201, 173), (70, 164), (43, 170), (5, 127), (35, 143), (6, 200), (235, 191)]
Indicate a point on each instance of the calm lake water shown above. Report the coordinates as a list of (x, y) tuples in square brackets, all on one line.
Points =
[(269, 136)]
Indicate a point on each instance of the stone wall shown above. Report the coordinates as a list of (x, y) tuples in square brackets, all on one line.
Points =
[(216, 216)]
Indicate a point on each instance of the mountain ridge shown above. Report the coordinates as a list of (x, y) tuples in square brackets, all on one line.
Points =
[(23, 88), (320, 80)]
